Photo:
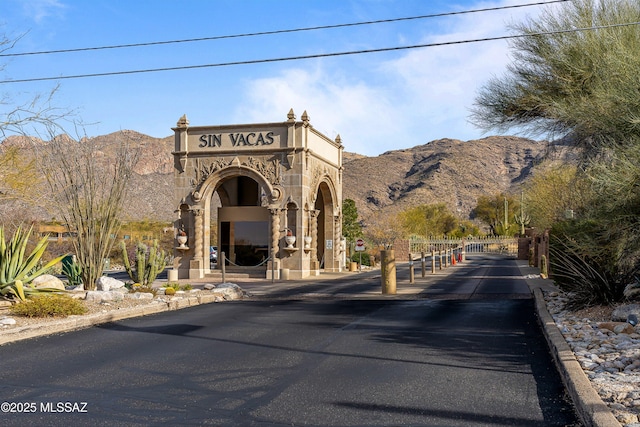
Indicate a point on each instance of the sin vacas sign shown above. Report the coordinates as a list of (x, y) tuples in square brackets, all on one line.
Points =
[(247, 139)]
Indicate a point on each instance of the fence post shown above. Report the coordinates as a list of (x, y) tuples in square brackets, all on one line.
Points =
[(411, 272), (424, 266), (433, 261), (440, 259)]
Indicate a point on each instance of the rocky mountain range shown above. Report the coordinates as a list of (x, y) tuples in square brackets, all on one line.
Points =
[(446, 171)]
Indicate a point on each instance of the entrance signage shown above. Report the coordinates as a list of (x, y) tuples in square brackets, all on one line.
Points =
[(239, 139)]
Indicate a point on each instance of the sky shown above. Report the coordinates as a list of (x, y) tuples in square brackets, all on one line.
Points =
[(376, 102)]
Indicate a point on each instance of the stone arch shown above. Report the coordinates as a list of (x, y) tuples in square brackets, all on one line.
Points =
[(271, 173), (328, 225), (264, 196)]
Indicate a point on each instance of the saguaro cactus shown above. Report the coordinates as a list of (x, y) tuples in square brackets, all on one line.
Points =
[(149, 262)]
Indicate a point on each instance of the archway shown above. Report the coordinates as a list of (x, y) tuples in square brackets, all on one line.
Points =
[(274, 182), (329, 226)]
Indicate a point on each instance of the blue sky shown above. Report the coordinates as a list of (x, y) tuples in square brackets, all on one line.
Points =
[(377, 102)]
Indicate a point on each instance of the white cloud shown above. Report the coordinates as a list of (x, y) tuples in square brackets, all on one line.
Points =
[(335, 104), (421, 95), (39, 10)]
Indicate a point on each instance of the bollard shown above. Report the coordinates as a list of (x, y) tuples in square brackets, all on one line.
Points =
[(440, 258), (433, 261), (411, 272), (424, 264), (222, 266), (388, 271)]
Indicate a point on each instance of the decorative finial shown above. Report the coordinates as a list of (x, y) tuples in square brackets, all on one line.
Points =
[(305, 117), (291, 116), (183, 122), (338, 140)]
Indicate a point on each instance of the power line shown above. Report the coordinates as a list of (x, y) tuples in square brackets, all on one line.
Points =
[(292, 30), (322, 55)]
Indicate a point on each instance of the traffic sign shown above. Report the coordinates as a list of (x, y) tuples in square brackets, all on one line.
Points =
[(359, 245)]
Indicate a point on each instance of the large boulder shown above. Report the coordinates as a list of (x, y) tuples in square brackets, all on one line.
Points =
[(621, 313), (106, 283), (229, 291), (47, 281)]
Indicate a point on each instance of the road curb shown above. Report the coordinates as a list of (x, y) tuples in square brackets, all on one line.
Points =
[(73, 323), (591, 409)]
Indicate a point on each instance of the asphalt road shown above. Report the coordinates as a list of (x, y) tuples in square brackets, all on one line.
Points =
[(464, 350)]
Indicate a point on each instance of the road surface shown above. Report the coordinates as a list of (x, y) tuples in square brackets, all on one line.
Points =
[(462, 350)]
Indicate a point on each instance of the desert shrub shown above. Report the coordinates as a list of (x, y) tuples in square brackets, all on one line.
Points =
[(73, 271), (178, 286), (170, 291), (147, 289), (16, 270), (52, 305), (582, 265)]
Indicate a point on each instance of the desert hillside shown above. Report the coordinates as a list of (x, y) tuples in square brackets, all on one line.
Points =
[(446, 170)]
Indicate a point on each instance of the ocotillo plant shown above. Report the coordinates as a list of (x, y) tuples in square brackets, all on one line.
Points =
[(149, 262)]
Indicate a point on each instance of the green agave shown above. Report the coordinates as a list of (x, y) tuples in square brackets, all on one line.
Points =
[(16, 271)]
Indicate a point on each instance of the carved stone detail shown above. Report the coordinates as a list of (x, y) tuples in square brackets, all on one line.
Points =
[(270, 170)]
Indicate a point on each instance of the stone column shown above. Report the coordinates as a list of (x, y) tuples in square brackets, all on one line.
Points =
[(313, 217), (274, 264), (196, 265), (337, 222)]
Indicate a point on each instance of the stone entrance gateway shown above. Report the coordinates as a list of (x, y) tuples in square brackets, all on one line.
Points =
[(279, 187)]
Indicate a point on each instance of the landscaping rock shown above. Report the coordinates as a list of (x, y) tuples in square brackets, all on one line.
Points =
[(99, 296), (106, 283), (6, 321), (229, 291), (48, 281), (209, 286), (617, 327), (140, 295), (620, 314)]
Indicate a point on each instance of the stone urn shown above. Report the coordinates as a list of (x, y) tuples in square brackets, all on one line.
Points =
[(182, 240), (290, 241), (307, 242)]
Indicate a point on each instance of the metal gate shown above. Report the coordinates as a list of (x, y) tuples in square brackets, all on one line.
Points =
[(472, 245)]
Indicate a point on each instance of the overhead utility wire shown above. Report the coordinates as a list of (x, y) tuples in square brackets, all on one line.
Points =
[(292, 30), (322, 55)]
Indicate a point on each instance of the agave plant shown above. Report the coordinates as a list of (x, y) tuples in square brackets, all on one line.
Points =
[(16, 271)]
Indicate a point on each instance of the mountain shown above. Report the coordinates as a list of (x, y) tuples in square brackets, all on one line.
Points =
[(446, 171)]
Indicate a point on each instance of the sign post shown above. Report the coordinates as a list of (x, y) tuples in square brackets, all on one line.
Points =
[(360, 248)]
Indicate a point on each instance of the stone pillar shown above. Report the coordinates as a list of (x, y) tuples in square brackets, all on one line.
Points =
[(315, 263), (336, 243), (196, 265), (274, 264)]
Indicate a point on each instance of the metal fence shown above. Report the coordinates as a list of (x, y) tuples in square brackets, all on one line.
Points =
[(472, 245)]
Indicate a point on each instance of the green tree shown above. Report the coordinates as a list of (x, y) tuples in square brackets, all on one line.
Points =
[(553, 192), (351, 227), (428, 220), (581, 83), (499, 213)]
